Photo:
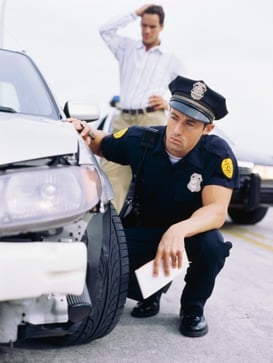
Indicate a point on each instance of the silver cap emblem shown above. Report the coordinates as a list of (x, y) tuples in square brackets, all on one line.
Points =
[(198, 90)]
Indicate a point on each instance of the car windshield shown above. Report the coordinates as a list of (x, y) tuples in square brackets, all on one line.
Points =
[(22, 88)]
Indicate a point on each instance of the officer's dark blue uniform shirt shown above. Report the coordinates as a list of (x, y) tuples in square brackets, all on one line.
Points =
[(169, 193)]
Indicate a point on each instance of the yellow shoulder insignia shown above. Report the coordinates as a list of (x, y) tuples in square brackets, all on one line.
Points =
[(120, 133), (227, 167)]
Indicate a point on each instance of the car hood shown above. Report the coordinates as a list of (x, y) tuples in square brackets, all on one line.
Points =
[(29, 137), (256, 157), (243, 154)]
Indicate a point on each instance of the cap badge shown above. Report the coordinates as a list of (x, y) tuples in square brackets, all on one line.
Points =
[(198, 90)]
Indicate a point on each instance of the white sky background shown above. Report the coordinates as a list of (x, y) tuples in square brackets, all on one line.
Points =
[(227, 43)]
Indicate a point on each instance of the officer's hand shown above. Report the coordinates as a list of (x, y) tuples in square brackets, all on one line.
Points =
[(170, 250), (78, 124), (83, 129)]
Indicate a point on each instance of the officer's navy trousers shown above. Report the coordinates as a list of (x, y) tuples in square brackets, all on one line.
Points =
[(206, 253)]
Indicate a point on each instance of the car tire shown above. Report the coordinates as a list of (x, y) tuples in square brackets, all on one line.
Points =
[(240, 216), (107, 279)]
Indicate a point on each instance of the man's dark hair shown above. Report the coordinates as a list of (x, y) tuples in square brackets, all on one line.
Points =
[(156, 9)]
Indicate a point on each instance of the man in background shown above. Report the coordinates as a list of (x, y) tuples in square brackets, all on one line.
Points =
[(146, 68)]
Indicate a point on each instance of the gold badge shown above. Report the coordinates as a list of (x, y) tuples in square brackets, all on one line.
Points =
[(120, 133), (227, 167)]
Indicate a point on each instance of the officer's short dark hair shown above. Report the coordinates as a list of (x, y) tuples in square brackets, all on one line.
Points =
[(156, 9)]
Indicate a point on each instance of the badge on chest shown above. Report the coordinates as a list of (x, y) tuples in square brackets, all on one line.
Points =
[(194, 185)]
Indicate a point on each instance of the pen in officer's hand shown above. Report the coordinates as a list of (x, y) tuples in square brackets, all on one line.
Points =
[(92, 135)]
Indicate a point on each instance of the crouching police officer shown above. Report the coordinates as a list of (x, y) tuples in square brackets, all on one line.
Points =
[(183, 193)]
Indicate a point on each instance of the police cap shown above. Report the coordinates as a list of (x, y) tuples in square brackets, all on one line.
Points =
[(196, 100)]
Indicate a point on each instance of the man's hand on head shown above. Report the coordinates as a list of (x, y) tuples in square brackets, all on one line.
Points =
[(141, 10)]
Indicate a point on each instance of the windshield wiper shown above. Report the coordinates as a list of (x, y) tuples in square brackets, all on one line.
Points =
[(7, 109)]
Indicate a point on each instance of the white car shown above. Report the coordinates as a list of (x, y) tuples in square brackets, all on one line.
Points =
[(63, 253)]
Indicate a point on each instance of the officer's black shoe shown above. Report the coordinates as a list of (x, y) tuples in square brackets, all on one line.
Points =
[(193, 326), (146, 308)]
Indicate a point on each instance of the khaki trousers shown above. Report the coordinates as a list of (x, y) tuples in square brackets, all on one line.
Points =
[(120, 175)]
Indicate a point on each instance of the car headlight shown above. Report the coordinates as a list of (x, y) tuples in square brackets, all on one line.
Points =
[(33, 199)]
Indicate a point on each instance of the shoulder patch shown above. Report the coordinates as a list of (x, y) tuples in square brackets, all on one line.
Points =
[(227, 167), (120, 133)]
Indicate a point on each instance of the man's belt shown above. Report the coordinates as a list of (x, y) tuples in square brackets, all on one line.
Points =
[(139, 111)]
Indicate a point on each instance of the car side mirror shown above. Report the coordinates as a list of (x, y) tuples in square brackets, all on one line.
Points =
[(82, 110)]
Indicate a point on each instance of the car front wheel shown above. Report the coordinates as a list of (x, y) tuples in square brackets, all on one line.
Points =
[(240, 216), (107, 278)]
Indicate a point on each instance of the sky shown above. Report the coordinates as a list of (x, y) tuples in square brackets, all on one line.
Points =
[(226, 43)]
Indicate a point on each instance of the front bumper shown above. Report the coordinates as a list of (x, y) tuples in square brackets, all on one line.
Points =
[(253, 192), (32, 269)]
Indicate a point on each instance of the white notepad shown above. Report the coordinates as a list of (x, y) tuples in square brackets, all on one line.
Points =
[(149, 284)]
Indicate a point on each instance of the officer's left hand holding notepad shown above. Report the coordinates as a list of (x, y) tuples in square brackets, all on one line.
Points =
[(149, 284)]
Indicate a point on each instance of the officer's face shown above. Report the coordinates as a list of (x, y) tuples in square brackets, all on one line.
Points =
[(150, 28), (183, 133)]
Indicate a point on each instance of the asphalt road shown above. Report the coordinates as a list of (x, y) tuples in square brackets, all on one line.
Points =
[(239, 314)]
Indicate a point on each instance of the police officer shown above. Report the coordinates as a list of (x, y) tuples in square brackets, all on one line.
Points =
[(183, 193)]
